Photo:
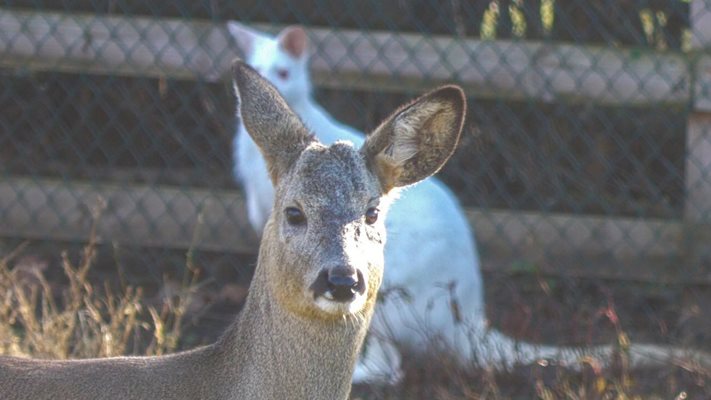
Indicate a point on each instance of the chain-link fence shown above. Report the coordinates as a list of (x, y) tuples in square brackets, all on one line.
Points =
[(586, 154)]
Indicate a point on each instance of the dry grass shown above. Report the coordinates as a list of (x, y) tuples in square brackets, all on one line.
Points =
[(77, 319), (437, 376)]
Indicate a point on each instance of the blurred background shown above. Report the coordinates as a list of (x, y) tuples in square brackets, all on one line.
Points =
[(585, 165)]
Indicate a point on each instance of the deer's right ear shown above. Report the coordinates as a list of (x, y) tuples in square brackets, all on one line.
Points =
[(274, 127), (245, 37)]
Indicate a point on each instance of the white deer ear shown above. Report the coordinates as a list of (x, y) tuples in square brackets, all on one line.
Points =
[(274, 127), (293, 40), (245, 37), (415, 141)]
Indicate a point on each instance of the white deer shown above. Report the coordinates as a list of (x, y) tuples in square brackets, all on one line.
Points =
[(320, 266), (432, 287)]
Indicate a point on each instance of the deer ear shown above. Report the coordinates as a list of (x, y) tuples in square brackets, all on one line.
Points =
[(274, 127), (415, 141), (245, 37), (293, 40)]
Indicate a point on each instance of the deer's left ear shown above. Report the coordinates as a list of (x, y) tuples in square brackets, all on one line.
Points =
[(247, 39), (274, 127), (416, 141)]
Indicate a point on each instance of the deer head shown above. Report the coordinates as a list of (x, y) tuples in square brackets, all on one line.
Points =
[(323, 244)]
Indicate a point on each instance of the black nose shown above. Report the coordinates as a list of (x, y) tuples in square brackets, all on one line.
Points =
[(343, 287), (341, 283)]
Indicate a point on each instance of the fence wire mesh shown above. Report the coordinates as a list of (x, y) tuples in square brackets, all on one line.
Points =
[(585, 165)]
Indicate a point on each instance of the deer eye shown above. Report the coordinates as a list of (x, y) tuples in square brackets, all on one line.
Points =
[(283, 74), (371, 215), (294, 216)]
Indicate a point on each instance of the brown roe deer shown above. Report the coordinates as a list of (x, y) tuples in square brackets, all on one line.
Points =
[(320, 266)]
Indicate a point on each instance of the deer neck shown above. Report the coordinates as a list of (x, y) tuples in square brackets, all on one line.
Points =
[(302, 358)]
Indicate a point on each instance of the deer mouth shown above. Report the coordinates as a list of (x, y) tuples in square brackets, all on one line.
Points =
[(339, 294)]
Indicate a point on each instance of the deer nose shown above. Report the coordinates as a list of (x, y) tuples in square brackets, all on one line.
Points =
[(343, 288), (343, 283)]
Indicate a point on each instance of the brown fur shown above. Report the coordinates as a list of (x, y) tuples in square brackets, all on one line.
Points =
[(285, 343)]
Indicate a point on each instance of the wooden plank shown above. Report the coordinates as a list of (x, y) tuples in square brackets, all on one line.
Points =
[(137, 214), (536, 236), (697, 204), (165, 216), (180, 218), (700, 18), (189, 49), (134, 46), (626, 249), (510, 69)]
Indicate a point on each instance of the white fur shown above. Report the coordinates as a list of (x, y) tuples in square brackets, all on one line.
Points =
[(407, 124), (430, 264), (328, 305)]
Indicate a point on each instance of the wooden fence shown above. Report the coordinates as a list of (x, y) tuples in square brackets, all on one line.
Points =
[(179, 49)]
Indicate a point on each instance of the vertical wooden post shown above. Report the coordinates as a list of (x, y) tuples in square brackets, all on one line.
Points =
[(697, 207)]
